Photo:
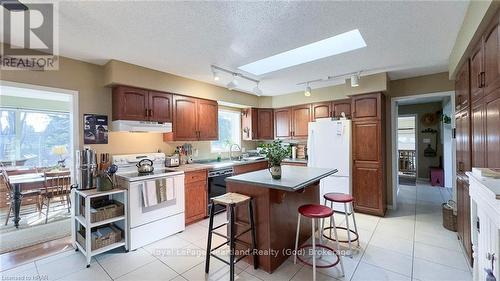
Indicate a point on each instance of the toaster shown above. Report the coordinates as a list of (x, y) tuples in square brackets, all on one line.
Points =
[(172, 161)]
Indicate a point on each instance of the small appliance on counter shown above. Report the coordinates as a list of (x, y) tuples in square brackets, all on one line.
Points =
[(172, 161), (87, 168)]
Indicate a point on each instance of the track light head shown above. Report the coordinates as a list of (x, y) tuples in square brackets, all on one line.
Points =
[(257, 90), (233, 84), (355, 80), (308, 90)]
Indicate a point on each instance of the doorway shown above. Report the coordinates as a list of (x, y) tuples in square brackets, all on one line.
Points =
[(407, 153), (39, 129)]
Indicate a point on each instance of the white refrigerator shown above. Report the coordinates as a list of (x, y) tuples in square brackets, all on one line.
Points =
[(329, 146)]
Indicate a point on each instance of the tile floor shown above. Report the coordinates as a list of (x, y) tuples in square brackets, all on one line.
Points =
[(408, 244)]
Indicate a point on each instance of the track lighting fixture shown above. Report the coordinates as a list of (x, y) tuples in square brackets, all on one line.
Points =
[(307, 92), (216, 70), (355, 80), (233, 84)]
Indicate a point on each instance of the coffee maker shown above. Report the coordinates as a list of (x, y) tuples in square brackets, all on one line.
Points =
[(87, 168)]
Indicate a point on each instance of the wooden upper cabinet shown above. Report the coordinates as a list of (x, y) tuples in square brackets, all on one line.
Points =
[(366, 106), (160, 106), (301, 116), (130, 103), (265, 121), (339, 106), (462, 87), (208, 111), (282, 122), (463, 147), (249, 125), (321, 110), (491, 79), (185, 118), (492, 129), (478, 136), (476, 70)]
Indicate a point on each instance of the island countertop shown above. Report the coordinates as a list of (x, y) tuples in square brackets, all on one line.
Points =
[(292, 177)]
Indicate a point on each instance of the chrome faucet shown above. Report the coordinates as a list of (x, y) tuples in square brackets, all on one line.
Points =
[(231, 150)]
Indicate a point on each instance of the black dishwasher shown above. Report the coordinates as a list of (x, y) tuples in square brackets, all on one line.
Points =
[(217, 185)]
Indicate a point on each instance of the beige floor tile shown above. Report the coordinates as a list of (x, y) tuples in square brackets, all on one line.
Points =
[(370, 272), (393, 243), (388, 259), (440, 255), (424, 270), (183, 258), (24, 272), (285, 272), (117, 264), (95, 273), (58, 266), (155, 270)]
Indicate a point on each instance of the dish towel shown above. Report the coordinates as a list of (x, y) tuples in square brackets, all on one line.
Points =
[(170, 189), (149, 194)]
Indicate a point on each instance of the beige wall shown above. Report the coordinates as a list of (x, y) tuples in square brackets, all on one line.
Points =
[(478, 15), (367, 84), (419, 110)]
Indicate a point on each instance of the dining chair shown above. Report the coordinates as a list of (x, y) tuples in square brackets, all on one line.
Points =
[(56, 184), (24, 194)]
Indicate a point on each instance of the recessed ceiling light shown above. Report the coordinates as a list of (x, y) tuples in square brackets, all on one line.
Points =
[(335, 45)]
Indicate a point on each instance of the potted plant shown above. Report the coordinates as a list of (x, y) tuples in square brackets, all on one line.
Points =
[(275, 153)]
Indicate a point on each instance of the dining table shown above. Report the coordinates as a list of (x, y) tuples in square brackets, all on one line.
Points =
[(31, 180)]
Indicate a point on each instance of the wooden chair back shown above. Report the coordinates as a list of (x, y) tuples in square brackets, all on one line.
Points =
[(57, 183)]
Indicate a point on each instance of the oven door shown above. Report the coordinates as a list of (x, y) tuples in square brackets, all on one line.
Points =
[(140, 215), (217, 187)]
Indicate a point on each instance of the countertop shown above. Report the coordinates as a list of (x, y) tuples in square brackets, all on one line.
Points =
[(213, 165), (491, 184), (295, 160), (292, 178)]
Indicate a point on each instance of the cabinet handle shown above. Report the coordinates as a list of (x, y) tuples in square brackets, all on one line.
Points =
[(146, 112), (483, 79), (150, 113), (478, 80)]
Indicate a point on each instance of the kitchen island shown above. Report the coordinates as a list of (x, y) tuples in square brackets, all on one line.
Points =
[(275, 204)]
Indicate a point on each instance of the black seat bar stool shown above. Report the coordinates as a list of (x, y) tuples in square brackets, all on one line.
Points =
[(231, 200)]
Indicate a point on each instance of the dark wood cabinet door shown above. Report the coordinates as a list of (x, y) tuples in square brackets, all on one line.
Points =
[(367, 188), (130, 103), (366, 107), (366, 141), (301, 116), (321, 110), (195, 201), (492, 129), (467, 223), (491, 79), (208, 122), (282, 122), (462, 87), (265, 124), (160, 106), (463, 148), (476, 69), (185, 119), (339, 106), (478, 135), (247, 168), (460, 208)]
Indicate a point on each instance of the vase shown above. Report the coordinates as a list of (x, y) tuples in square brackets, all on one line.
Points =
[(275, 172)]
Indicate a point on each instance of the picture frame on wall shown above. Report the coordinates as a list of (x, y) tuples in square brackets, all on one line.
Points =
[(95, 129)]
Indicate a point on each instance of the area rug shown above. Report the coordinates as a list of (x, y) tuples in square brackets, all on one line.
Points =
[(411, 181)]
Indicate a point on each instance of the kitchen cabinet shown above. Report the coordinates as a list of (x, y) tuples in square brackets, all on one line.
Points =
[(477, 136), (491, 59), (283, 123), (257, 124), (492, 129), (463, 215), (321, 110), (462, 87), (476, 73), (463, 143), (301, 116), (339, 106), (195, 119), (196, 196), (368, 184), (141, 105), (247, 168)]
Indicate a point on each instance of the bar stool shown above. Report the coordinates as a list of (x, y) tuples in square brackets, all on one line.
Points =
[(316, 211), (344, 199), (230, 201)]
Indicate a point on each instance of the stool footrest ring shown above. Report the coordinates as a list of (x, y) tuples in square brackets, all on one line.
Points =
[(343, 228), (319, 246)]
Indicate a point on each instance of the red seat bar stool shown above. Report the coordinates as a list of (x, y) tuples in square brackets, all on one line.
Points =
[(316, 212), (345, 199)]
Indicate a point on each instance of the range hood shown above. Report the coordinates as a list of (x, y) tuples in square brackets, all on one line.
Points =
[(141, 126)]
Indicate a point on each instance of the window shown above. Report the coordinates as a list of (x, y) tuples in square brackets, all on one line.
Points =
[(28, 137), (229, 130)]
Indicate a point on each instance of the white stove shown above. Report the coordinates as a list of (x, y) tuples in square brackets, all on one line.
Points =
[(156, 199)]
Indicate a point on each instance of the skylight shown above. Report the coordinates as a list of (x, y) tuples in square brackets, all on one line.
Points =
[(335, 45)]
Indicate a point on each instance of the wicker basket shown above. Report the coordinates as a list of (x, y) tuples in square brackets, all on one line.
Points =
[(449, 218), (99, 242), (105, 209)]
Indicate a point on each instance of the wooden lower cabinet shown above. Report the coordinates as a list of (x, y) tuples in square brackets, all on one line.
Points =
[(368, 188), (247, 168), (196, 196), (463, 215), (291, 163)]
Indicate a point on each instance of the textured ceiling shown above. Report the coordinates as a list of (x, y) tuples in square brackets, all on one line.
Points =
[(405, 38)]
